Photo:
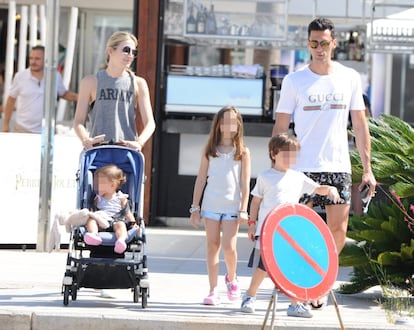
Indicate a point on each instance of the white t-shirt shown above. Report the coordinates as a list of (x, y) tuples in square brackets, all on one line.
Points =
[(29, 94), (277, 188), (222, 193), (320, 106)]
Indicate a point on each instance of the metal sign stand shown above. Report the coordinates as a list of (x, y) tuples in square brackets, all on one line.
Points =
[(273, 303), (337, 311), (312, 249)]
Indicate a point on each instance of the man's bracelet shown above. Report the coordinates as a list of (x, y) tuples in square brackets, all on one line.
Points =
[(251, 222)]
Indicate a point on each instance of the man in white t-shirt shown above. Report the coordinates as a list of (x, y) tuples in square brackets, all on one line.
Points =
[(319, 98), (26, 95)]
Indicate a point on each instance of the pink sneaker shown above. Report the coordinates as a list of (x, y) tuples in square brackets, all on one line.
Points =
[(212, 299), (120, 246), (233, 290), (92, 239)]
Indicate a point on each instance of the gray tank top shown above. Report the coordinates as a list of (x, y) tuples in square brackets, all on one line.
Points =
[(113, 113)]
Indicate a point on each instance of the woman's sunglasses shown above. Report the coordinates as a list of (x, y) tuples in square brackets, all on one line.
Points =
[(127, 50), (324, 44)]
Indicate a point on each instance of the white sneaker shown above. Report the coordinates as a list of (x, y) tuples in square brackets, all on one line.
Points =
[(247, 305), (233, 290), (299, 311), (212, 299)]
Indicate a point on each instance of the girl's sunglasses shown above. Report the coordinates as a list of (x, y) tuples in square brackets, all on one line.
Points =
[(324, 44), (127, 50)]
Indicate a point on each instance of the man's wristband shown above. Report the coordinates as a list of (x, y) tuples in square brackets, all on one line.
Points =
[(251, 222)]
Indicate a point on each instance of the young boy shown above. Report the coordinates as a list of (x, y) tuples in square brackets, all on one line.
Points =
[(276, 186)]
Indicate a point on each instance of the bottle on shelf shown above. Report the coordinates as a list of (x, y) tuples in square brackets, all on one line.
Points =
[(361, 46), (191, 23), (201, 20), (211, 22), (341, 53), (352, 46)]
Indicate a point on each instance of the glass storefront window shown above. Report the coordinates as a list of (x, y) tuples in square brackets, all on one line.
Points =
[(98, 28)]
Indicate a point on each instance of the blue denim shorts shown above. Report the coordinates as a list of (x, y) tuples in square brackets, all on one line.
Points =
[(219, 216)]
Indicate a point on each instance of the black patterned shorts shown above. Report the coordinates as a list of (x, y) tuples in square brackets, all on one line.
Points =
[(342, 182)]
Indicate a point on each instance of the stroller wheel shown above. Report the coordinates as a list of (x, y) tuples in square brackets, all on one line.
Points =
[(136, 293), (74, 291), (144, 298), (66, 295)]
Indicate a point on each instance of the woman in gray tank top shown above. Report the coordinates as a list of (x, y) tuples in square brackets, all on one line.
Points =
[(113, 98)]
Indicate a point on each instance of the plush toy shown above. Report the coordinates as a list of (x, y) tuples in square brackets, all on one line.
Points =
[(79, 217), (74, 218), (54, 236)]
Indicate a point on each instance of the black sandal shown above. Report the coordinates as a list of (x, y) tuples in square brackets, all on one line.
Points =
[(319, 304)]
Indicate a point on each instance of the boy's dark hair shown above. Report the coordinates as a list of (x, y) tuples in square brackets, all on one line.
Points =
[(282, 142), (322, 24)]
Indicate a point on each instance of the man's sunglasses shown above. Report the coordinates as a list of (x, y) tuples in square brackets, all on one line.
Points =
[(324, 44), (127, 50)]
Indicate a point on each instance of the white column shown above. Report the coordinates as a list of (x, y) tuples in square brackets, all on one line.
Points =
[(70, 50), (42, 21), (11, 31), (33, 25), (23, 39)]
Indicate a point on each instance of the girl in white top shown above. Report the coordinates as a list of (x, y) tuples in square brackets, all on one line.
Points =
[(225, 174)]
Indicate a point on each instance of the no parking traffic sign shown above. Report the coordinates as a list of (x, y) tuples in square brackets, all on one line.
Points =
[(299, 252)]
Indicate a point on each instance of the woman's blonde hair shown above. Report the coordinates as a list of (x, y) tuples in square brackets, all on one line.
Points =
[(117, 38), (215, 134)]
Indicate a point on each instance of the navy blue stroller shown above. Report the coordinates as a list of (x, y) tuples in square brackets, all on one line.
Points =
[(99, 267)]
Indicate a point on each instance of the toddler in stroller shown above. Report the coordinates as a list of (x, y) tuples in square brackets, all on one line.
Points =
[(109, 179), (112, 257)]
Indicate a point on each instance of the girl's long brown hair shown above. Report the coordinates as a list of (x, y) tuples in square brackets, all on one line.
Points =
[(215, 134)]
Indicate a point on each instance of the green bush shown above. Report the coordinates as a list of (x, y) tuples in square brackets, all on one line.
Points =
[(383, 252)]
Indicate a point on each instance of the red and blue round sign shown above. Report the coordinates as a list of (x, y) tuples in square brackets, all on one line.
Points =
[(299, 252)]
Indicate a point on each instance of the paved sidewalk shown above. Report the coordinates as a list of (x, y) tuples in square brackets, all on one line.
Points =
[(30, 297)]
